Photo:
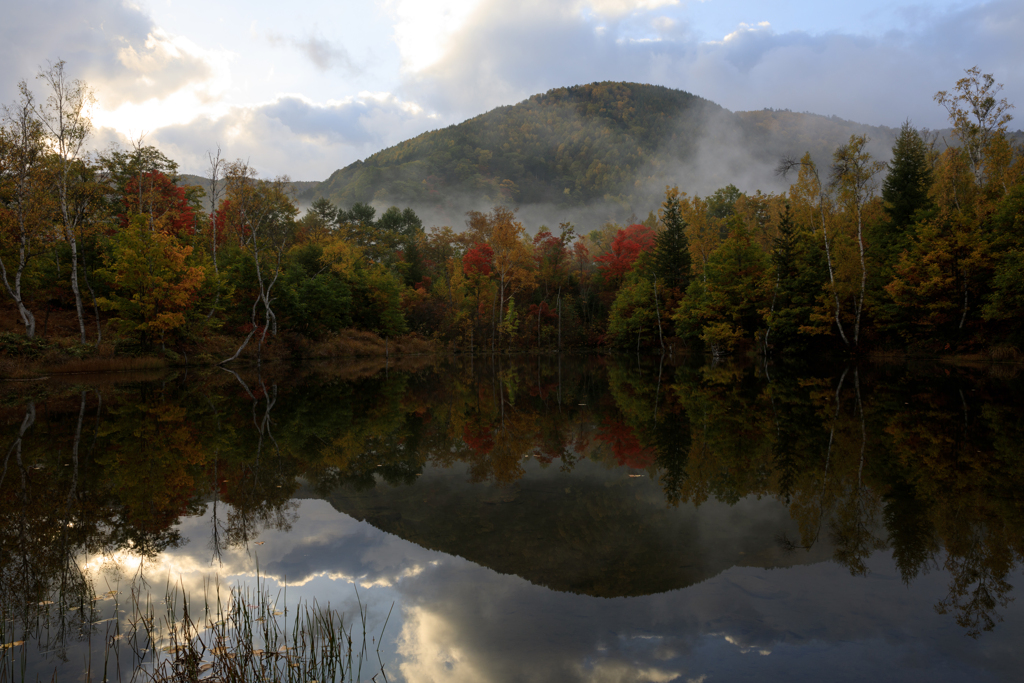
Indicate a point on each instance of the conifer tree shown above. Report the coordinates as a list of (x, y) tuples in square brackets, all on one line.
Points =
[(905, 189), (671, 248)]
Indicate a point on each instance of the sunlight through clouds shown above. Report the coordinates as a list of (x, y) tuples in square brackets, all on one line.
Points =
[(422, 28)]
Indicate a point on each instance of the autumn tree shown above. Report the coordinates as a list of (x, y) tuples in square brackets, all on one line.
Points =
[(512, 260), (946, 272), (978, 118), (817, 206), (853, 173), (25, 207), (728, 306), (67, 126), (153, 286), (261, 218), (625, 247)]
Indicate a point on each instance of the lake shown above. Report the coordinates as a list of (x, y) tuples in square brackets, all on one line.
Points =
[(523, 518)]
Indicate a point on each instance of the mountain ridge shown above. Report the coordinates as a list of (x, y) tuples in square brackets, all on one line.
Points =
[(613, 143)]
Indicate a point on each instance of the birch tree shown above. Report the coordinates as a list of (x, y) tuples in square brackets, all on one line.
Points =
[(67, 126), (263, 218), (853, 176), (23, 200), (811, 190)]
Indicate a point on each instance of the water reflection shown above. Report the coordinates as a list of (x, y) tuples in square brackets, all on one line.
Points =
[(570, 479)]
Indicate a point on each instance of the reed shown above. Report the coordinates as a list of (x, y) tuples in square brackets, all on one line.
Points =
[(246, 636)]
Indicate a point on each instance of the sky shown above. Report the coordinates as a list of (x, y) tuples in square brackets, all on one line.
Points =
[(305, 88)]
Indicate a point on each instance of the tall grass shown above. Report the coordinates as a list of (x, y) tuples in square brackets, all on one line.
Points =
[(248, 635)]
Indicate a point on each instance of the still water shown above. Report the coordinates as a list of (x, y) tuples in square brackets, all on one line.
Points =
[(530, 519)]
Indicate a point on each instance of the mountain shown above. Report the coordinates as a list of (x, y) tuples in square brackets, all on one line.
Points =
[(594, 531), (615, 145)]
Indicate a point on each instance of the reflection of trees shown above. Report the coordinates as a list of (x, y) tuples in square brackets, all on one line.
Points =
[(935, 462), (852, 527), (42, 530), (257, 495)]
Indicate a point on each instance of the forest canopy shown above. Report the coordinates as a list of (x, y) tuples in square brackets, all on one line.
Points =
[(922, 253)]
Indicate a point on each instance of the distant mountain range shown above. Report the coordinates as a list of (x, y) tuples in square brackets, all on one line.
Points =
[(604, 150)]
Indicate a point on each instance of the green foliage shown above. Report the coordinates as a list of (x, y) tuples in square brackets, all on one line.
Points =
[(671, 248), (633, 318), (800, 278), (722, 201), (152, 285), (905, 189), (315, 300), (729, 305), (568, 146), (378, 303)]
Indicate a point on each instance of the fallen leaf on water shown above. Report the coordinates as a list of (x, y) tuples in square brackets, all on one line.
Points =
[(283, 648), (260, 542), (278, 613), (16, 643), (260, 619), (634, 476), (257, 652), (218, 650), (46, 602), (206, 667)]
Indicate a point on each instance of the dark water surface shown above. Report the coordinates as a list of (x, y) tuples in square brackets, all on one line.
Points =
[(532, 519)]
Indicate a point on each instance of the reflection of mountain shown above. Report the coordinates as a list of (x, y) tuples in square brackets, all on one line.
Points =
[(595, 531)]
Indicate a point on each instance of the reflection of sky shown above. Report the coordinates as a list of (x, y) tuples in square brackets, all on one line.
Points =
[(456, 621)]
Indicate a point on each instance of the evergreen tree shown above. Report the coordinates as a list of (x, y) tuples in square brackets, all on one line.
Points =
[(905, 189), (671, 248), (799, 278)]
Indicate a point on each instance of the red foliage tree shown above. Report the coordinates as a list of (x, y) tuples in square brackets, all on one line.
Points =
[(479, 260), (155, 194), (626, 246)]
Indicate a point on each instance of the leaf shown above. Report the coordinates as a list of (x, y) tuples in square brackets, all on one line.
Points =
[(7, 646)]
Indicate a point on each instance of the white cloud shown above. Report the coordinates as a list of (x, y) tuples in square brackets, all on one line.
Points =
[(506, 52), (422, 27), (295, 136)]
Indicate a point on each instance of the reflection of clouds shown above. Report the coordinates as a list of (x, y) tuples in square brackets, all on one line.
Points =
[(458, 621), (430, 645)]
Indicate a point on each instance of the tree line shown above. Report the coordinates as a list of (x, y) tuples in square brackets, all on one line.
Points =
[(923, 252)]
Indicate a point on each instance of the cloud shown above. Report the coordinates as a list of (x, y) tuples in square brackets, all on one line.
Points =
[(294, 136), (506, 52), (324, 54), (113, 46)]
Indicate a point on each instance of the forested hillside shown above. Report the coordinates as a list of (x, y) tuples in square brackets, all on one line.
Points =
[(917, 248), (618, 143)]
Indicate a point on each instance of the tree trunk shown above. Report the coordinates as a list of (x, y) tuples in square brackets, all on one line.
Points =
[(559, 322), (657, 310)]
